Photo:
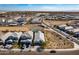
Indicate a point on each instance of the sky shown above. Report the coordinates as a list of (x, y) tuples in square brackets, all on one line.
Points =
[(39, 7)]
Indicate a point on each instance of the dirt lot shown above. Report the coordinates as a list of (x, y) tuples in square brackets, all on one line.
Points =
[(54, 22), (55, 41), (13, 28), (34, 26), (26, 27)]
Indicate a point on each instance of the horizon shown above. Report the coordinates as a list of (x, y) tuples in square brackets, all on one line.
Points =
[(40, 7)]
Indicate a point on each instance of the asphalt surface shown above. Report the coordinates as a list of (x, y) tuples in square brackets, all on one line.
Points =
[(76, 52)]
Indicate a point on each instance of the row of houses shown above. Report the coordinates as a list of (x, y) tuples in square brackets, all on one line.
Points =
[(50, 16), (62, 16), (12, 21), (20, 21), (72, 29), (23, 39)]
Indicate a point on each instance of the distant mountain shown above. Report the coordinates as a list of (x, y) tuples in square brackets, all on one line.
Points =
[(2, 10), (39, 11)]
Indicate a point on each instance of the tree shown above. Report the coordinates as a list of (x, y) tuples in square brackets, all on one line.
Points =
[(34, 31)]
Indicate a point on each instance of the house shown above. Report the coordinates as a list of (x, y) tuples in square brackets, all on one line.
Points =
[(11, 22), (76, 17), (5, 36), (37, 20), (25, 40), (10, 38), (62, 27), (68, 27), (2, 21), (21, 21), (39, 38), (76, 35), (76, 30)]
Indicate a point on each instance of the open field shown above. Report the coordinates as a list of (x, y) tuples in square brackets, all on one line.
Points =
[(55, 41), (56, 22), (25, 28), (15, 28), (34, 26)]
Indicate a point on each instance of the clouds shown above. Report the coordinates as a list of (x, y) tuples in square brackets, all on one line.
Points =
[(40, 7), (60, 8)]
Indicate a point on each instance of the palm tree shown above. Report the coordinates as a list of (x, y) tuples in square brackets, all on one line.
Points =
[(34, 31)]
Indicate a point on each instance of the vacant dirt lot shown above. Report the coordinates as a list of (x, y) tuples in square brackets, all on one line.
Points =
[(54, 22), (26, 27), (34, 26), (13, 28), (55, 41)]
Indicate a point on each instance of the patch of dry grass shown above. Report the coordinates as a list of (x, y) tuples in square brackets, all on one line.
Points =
[(55, 41)]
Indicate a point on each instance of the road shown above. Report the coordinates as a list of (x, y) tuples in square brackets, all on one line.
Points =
[(70, 38), (76, 52), (63, 34)]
